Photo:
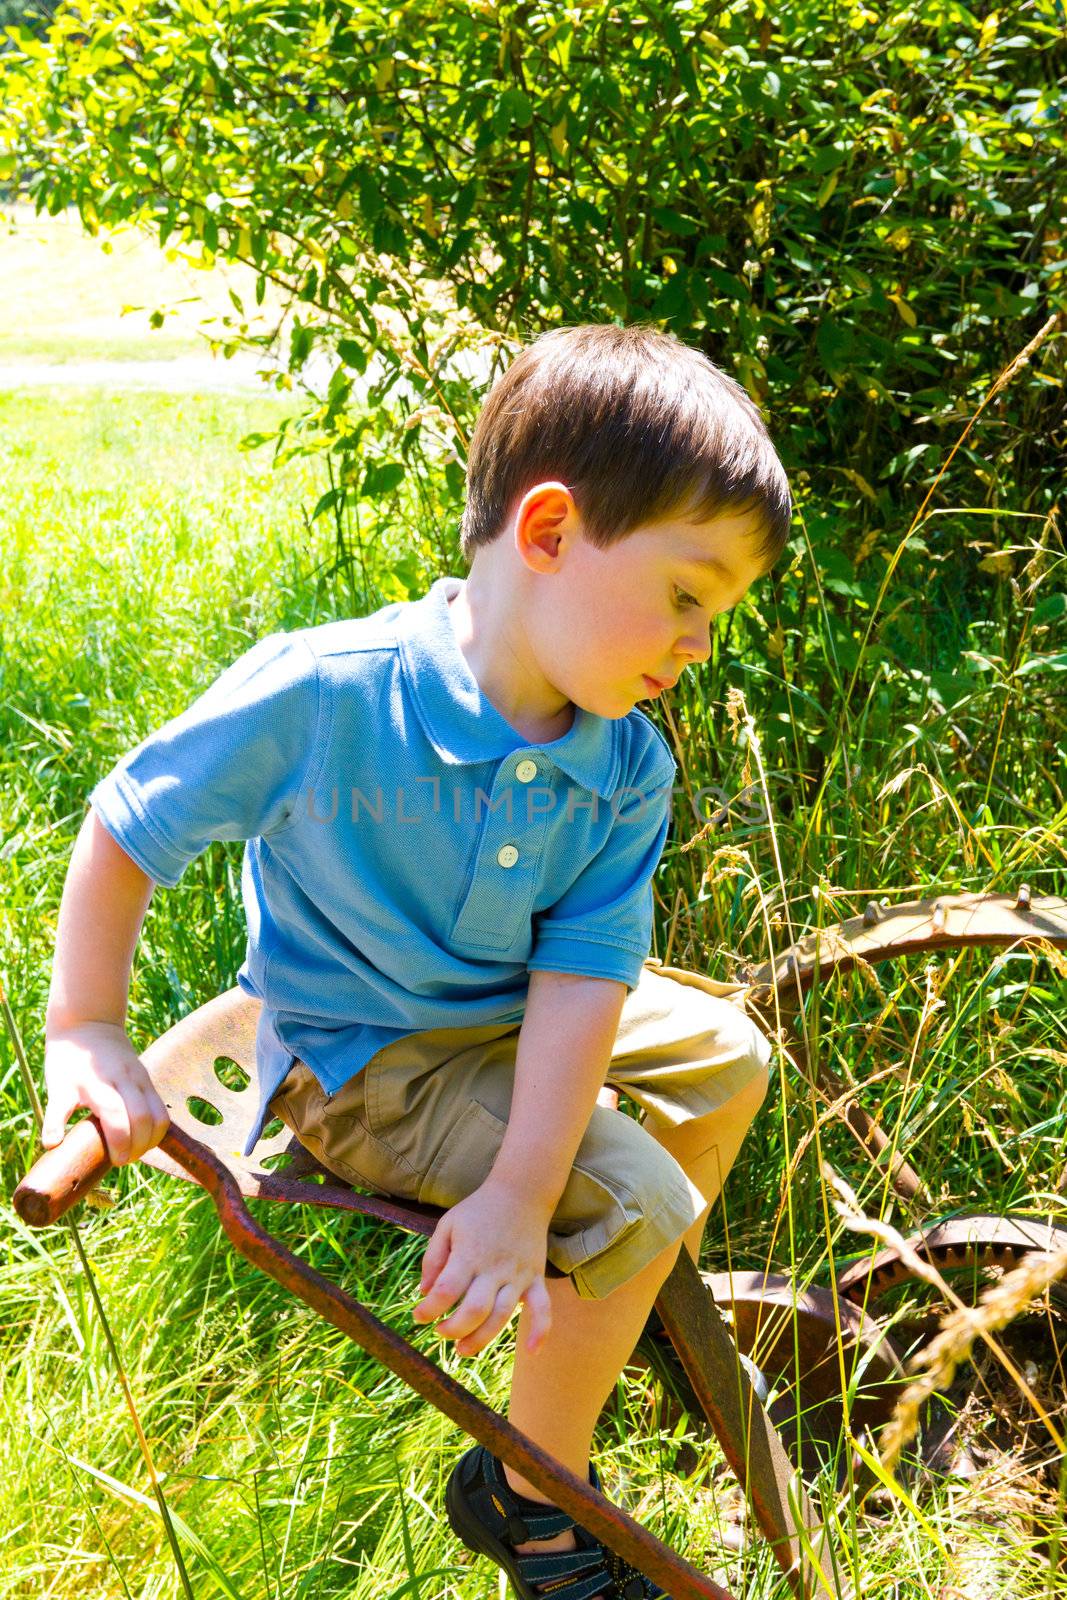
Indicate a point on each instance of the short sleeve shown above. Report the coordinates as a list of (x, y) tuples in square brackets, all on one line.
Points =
[(230, 767), (602, 926)]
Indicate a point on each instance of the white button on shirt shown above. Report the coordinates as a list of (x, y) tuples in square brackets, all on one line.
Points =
[(526, 771), (507, 855)]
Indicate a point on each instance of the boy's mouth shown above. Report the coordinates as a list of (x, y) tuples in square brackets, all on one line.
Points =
[(656, 684)]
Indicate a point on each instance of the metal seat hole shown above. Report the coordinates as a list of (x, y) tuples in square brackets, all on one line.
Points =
[(204, 1111), (230, 1074)]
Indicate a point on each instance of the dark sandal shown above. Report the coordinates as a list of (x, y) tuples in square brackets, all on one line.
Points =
[(489, 1517)]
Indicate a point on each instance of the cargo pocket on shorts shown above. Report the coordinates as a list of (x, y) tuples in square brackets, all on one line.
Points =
[(608, 1226), (465, 1157), (593, 1215), (352, 1149)]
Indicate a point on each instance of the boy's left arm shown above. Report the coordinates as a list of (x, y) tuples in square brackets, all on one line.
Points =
[(488, 1252)]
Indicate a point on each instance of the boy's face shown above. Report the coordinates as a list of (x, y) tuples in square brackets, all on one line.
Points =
[(609, 621)]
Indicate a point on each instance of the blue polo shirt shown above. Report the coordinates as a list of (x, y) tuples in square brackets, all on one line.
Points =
[(411, 857)]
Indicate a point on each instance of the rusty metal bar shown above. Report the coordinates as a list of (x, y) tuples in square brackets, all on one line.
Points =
[(606, 1522), (884, 933), (748, 1437)]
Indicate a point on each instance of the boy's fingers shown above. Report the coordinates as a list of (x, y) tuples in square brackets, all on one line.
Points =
[(450, 1285), (56, 1116), (114, 1118), (472, 1311), (145, 1126), (436, 1254), (501, 1314), (539, 1312), (159, 1114)]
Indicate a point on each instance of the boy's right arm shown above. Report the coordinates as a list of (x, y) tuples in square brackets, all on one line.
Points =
[(88, 1059)]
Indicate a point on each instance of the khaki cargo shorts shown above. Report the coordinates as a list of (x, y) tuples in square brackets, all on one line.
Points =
[(425, 1118)]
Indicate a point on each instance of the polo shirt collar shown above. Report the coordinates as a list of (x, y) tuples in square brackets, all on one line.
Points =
[(463, 726)]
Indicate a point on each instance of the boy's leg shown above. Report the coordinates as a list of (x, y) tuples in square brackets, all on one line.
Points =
[(558, 1392), (707, 1148), (697, 1064)]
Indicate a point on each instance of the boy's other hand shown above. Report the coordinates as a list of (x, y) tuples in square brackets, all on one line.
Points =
[(94, 1065), (487, 1253)]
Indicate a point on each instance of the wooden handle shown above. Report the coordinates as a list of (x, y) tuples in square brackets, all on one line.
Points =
[(63, 1175)]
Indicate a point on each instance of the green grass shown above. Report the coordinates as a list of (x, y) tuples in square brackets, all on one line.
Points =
[(72, 297), (140, 553), (58, 349)]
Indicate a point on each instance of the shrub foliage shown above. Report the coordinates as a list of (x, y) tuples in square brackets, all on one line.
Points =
[(858, 211)]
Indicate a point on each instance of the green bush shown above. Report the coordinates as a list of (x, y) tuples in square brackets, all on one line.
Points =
[(858, 212), (32, 14)]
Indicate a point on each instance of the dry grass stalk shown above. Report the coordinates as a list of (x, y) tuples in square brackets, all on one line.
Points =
[(1016, 364), (998, 1306)]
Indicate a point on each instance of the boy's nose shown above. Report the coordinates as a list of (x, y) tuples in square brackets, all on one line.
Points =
[(694, 650)]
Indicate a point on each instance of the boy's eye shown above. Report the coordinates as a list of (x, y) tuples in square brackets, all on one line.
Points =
[(682, 599)]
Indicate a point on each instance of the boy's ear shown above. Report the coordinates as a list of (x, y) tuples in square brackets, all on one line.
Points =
[(546, 522)]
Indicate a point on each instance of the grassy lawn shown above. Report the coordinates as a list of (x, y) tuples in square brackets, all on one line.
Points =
[(141, 551), (70, 297)]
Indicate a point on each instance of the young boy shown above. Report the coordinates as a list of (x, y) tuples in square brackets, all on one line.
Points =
[(454, 812)]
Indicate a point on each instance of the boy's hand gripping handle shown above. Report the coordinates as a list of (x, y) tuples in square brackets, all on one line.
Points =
[(63, 1175)]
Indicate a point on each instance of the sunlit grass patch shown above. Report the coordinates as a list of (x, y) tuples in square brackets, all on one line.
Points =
[(69, 296)]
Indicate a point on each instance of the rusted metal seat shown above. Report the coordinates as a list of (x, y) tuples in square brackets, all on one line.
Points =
[(205, 1070)]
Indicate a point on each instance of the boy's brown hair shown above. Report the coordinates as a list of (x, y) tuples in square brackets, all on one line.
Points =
[(637, 424)]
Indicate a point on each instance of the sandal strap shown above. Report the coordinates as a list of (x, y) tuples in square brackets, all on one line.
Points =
[(577, 1574), (629, 1584), (589, 1570), (497, 1505), (567, 1574)]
